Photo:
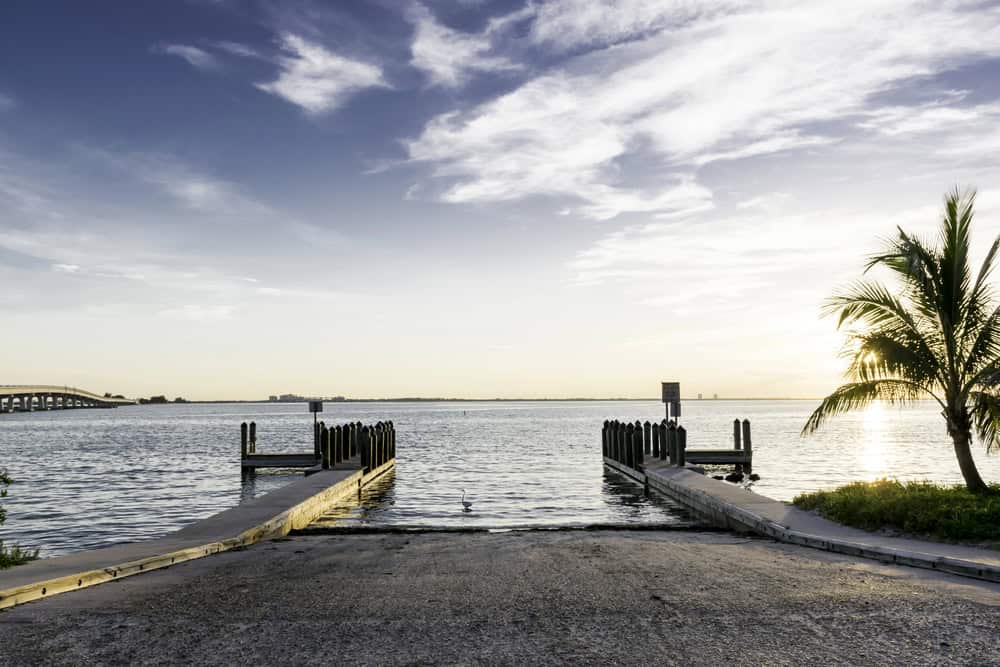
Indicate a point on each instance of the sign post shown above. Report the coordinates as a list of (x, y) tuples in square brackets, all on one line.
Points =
[(672, 399), (314, 407)]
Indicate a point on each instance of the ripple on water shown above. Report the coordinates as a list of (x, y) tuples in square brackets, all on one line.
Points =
[(88, 478)]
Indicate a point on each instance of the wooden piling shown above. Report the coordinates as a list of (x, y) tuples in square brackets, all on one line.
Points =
[(324, 445), (638, 444), (253, 437), (747, 445), (629, 448), (604, 439), (316, 451), (681, 446), (656, 440), (671, 442), (243, 440), (647, 440), (363, 449), (379, 444), (616, 435), (662, 428), (736, 434)]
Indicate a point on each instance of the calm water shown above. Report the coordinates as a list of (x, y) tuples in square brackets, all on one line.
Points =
[(93, 477)]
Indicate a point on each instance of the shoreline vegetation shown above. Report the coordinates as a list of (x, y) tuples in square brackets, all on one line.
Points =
[(921, 509), (11, 555)]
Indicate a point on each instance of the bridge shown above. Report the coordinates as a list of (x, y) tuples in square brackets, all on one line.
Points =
[(26, 398)]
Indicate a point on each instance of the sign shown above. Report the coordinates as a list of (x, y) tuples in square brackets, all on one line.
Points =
[(672, 397), (671, 392), (315, 406)]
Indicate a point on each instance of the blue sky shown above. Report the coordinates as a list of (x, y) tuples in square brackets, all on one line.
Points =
[(470, 198)]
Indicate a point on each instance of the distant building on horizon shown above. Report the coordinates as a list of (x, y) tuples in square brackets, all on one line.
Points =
[(715, 397), (699, 397), (295, 398)]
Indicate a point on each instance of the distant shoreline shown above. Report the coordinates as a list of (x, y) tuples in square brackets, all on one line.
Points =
[(484, 400)]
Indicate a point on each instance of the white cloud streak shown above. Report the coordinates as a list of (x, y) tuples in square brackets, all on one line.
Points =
[(238, 49), (695, 83), (319, 80), (450, 57), (197, 58), (571, 24)]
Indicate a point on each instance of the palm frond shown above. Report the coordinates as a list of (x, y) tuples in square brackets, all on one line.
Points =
[(869, 303), (873, 306), (986, 418), (893, 354), (858, 395), (984, 350), (981, 290), (979, 302), (917, 266), (955, 274)]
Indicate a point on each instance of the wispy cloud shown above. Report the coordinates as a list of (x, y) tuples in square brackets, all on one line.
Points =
[(194, 56), (6, 102), (449, 57), (319, 80), (567, 25), (238, 49), (929, 117), (707, 82), (769, 202), (190, 187)]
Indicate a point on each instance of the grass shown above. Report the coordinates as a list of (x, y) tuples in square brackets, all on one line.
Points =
[(15, 555), (947, 513)]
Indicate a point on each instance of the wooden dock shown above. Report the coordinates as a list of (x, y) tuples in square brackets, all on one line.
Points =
[(346, 446), (631, 443)]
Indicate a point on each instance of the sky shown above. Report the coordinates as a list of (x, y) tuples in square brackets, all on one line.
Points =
[(232, 199)]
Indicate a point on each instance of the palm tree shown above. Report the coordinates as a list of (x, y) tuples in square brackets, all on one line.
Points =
[(939, 336)]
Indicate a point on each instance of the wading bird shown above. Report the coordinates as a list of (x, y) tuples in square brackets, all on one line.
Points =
[(466, 504)]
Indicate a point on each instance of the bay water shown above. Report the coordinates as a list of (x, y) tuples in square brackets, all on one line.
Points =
[(90, 478)]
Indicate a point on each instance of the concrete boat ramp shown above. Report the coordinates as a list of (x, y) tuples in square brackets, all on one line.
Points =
[(296, 505), (269, 516), (733, 507)]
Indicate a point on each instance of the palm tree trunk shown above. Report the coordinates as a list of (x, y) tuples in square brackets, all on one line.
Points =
[(966, 464)]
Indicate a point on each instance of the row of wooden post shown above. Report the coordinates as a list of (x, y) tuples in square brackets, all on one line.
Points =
[(376, 444), (248, 440), (629, 443)]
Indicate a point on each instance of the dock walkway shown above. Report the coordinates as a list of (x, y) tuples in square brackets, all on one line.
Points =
[(736, 508), (271, 515)]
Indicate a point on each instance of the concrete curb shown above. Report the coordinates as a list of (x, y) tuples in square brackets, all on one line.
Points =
[(727, 515), (298, 516)]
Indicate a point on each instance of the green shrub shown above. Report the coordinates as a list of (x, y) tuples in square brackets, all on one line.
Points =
[(919, 508), (15, 555)]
